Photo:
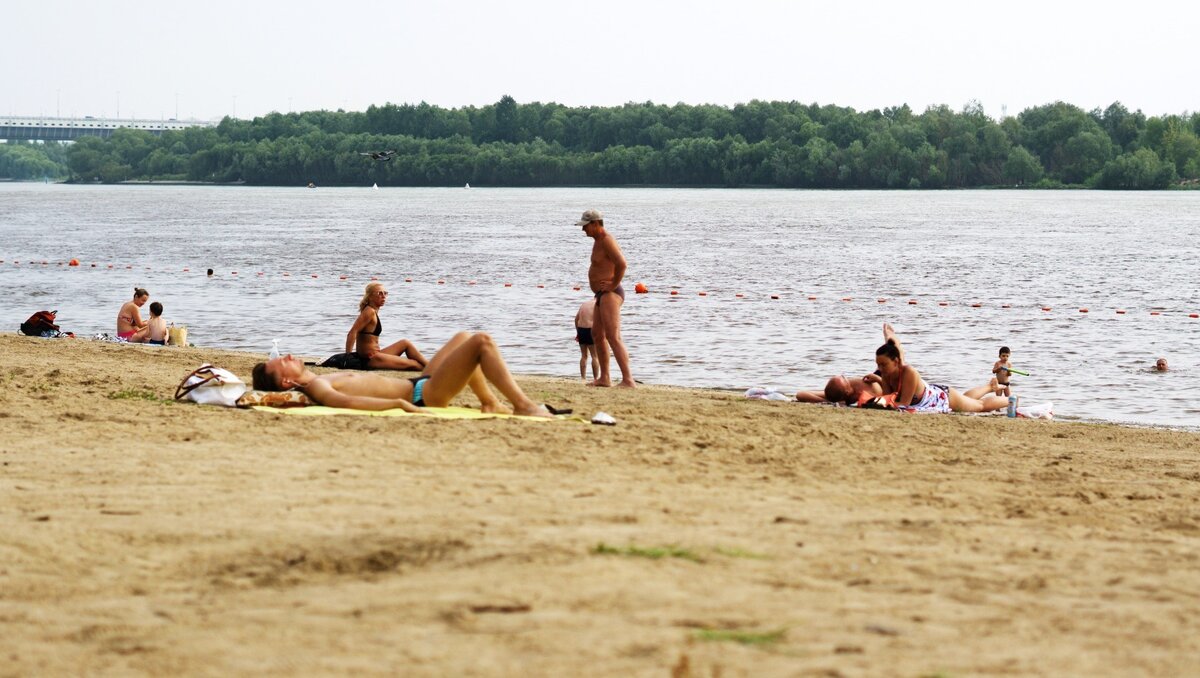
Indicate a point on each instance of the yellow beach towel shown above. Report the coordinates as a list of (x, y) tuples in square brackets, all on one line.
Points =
[(439, 412)]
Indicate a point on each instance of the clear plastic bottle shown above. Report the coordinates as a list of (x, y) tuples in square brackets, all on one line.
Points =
[(274, 349)]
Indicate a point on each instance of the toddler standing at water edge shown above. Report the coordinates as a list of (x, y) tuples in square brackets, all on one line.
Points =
[(1000, 369), (158, 327), (583, 334)]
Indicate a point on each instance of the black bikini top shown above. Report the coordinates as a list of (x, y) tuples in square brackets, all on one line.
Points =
[(378, 327)]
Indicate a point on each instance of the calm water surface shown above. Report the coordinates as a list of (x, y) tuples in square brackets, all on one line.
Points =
[(1137, 252)]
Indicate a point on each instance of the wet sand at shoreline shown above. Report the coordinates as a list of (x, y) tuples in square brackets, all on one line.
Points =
[(703, 535)]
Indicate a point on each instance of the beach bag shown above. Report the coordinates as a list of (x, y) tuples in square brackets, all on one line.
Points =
[(177, 335), (41, 324), (210, 385), (345, 361)]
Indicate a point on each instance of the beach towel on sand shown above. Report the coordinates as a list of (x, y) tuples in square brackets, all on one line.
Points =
[(439, 412)]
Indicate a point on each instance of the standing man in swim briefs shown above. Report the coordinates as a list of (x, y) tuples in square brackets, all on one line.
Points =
[(604, 275)]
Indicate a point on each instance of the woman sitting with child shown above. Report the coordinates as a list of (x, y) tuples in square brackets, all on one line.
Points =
[(363, 337), (130, 325)]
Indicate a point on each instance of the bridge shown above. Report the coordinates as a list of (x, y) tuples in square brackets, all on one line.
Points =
[(68, 129)]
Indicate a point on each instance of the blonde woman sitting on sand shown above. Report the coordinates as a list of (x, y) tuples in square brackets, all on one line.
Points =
[(363, 337), (466, 360), (130, 325)]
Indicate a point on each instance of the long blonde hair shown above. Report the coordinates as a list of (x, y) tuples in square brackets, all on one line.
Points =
[(366, 300)]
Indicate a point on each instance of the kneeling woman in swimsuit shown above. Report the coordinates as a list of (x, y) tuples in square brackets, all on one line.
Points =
[(466, 360), (363, 337), (130, 325), (914, 395)]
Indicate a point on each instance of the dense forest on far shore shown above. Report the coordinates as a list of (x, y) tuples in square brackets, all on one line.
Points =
[(780, 144)]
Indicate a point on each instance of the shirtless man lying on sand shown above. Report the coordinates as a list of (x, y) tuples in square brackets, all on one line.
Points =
[(466, 360)]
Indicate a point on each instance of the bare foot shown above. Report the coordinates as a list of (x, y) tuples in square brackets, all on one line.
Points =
[(495, 407), (627, 383), (533, 410), (997, 389), (603, 384)]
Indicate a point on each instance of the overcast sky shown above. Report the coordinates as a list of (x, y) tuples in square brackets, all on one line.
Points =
[(215, 58)]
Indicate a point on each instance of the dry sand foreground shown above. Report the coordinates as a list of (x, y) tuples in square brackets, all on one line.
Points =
[(141, 536)]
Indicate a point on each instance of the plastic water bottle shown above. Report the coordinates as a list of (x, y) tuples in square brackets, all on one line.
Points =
[(275, 351), (1012, 406)]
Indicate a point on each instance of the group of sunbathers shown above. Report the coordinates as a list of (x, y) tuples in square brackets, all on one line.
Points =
[(896, 384)]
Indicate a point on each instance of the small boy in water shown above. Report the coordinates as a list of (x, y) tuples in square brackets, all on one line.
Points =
[(583, 334), (1000, 369), (158, 327)]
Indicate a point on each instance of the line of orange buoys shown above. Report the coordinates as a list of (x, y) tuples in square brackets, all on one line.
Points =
[(639, 288)]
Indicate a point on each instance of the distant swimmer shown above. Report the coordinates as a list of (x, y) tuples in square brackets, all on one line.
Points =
[(381, 156), (1160, 365)]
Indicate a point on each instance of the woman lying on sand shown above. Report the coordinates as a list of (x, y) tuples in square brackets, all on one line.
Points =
[(363, 337), (466, 360), (903, 386)]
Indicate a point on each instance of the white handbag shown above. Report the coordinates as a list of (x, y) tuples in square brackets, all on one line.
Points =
[(210, 385)]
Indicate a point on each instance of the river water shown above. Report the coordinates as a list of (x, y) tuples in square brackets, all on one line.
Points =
[(279, 255)]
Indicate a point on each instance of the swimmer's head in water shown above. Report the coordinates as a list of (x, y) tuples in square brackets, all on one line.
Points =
[(1161, 364)]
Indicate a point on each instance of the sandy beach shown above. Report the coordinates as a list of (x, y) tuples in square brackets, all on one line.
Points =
[(704, 535)]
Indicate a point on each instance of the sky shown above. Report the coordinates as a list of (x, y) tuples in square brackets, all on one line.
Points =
[(207, 60)]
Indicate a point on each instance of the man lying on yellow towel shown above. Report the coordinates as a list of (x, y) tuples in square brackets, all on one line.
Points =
[(468, 359)]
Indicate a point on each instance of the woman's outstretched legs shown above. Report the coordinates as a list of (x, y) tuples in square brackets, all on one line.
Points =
[(460, 362), (966, 403), (402, 355)]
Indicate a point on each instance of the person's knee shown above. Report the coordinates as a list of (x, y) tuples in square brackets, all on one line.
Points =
[(483, 340)]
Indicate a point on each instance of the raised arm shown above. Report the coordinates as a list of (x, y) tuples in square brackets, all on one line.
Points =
[(325, 394), (889, 333)]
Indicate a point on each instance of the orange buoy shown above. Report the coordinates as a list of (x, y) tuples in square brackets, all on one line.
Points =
[(405, 280), (739, 295), (110, 265), (774, 296), (314, 275), (912, 302), (703, 294), (638, 288), (812, 298), (341, 277), (1194, 315), (508, 284), (976, 305), (943, 303), (470, 282), (184, 270), (1083, 310), (541, 287), (1120, 311), (576, 288), (233, 273), (1045, 308), (74, 262), (847, 298), (1005, 305), (674, 292), (881, 300), (286, 274), (1155, 313), (441, 282)]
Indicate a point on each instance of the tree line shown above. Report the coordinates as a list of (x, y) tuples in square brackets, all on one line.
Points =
[(760, 143)]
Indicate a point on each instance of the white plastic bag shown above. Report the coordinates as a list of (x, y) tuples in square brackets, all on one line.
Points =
[(211, 385)]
